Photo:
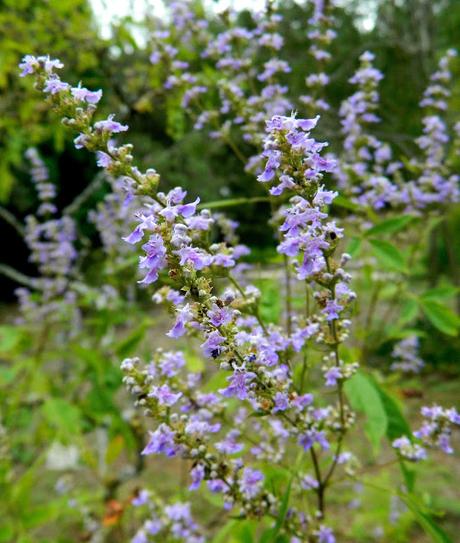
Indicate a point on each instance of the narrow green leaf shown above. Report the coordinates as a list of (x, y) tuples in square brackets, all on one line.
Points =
[(425, 519), (63, 415), (408, 474), (409, 311), (390, 226), (9, 338), (223, 534), (342, 201), (397, 423), (441, 317), (388, 255), (233, 202), (6, 531), (364, 397), (271, 535), (128, 345), (397, 426), (195, 363), (354, 246), (440, 293)]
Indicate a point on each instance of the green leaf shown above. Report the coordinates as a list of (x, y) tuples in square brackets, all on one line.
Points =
[(63, 415), (342, 201), (271, 535), (128, 345), (114, 449), (425, 519), (195, 363), (6, 531), (388, 255), (397, 426), (364, 397), (440, 293), (408, 474), (390, 226), (354, 246), (441, 317), (233, 202), (9, 338), (224, 533), (409, 311)]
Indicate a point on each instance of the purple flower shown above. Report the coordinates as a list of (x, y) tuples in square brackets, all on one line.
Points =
[(325, 535), (409, 450), (271, 165), (310, 437), (178, 511), (193, 257), (110, 126), (85, 95), (444, 443), (197, 474), (301, 402), (81, 141), (300, 336), (164, 395), (140, 537), (332, 375), (171, 362), (212, 346), (226, 261), (217, 485), (286, 183), (161, 442), (141, 499), (183, 316), (453, 416), (147, 222), (199, 428), (240, 384), (281, 402), (308, 483), (28, 65), (332, 310), (104, 161), (251, 483), (220, 316), (229, 445), (170, 212), (55, 85), (154, 260)]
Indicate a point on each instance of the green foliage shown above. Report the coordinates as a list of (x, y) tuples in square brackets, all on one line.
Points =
[(365, 398), (388, 255)]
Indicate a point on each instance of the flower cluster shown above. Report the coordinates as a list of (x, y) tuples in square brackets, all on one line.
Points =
[(321, 34), (366, 169), (165, 521), (51, 242), (435, 183), (435, 432), (405, 356), (250, 84), (40, 176)]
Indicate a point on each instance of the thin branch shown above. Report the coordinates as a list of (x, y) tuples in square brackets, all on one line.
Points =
[(12, 220), (17, 276)]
